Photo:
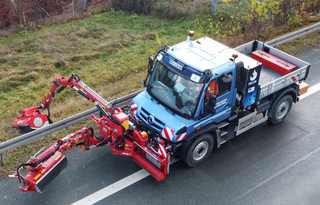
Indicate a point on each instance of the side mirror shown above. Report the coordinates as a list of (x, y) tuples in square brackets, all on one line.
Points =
[(150, 66), (143, 83), (150, 63)]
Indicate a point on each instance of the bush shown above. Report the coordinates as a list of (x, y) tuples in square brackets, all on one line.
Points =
[(255, 17), (311, 5), (294, 20), (163, 8), (238, 16), (134, 6)]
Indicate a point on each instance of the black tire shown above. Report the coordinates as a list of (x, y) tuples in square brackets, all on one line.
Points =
[(204, 145), (280, 109), (25, 129)]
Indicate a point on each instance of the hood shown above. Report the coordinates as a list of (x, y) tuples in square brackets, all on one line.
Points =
[(157, 116)]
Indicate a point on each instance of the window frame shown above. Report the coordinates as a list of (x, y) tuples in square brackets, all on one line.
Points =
[(224, 87)]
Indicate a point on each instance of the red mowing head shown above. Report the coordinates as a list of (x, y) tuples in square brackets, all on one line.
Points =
[(30, 119)]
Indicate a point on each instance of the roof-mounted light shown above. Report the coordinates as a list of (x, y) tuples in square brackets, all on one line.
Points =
[(190, 36)]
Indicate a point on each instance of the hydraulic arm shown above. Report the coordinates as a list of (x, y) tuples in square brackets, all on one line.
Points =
[(117, 130), (32, 118)]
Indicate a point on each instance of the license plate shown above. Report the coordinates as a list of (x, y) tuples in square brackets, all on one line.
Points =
[(153, 160)]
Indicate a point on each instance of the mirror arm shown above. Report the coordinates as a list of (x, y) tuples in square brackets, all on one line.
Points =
[(150, 63)]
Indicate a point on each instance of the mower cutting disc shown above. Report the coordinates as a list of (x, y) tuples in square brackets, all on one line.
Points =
[(30, 119)]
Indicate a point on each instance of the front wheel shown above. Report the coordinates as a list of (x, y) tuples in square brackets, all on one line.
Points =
[(280, 109), (199, 150)]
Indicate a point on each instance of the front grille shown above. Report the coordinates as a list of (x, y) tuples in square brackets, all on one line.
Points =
[(156, 123)]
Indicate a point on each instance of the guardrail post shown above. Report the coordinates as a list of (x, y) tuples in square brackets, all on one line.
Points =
[(1, 160)]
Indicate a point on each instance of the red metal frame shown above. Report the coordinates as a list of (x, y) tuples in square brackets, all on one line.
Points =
[(115, 130)]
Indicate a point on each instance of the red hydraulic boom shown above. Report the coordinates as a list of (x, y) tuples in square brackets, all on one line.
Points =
[(117, 130), (32, 118)]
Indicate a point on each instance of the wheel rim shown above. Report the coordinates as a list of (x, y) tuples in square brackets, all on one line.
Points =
[(282, 110), (200, 150)]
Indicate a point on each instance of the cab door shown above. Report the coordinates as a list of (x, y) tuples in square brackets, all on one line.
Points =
[(219, 99), (224, 97), (219, 95)]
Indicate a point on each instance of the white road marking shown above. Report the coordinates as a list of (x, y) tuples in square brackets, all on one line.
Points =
[(141, 174), (113, 188), (312, 90)]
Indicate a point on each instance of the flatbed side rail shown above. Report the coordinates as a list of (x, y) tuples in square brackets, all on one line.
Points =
[(284, 81)]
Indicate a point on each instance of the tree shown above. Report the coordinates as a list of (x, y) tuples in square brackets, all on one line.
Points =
[(214, 4)]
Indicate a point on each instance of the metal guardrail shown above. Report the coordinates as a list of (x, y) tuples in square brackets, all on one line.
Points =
[(295, 34), (26, 138)]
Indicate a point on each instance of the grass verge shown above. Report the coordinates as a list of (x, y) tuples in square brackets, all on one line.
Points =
[(301, 44)]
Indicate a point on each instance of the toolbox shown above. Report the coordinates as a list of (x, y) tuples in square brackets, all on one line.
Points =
[(278, 65)]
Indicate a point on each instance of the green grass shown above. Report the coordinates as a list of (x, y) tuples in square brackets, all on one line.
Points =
[(101, 49)]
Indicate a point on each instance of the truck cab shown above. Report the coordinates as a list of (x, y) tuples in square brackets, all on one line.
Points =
[(190, 85), (200, 93)]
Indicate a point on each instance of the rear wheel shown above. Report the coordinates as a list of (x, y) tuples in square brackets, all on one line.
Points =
[(280, 109), (199, 150)]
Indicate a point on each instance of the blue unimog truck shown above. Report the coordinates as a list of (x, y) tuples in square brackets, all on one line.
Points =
[(207, 93)]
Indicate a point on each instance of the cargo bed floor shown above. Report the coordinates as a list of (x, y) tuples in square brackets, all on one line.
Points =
[(267, 75)]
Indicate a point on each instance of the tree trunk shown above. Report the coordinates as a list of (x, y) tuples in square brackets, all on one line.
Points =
[(214, 4), (80, 6)]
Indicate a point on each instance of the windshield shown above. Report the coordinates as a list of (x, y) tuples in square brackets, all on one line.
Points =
[(173, 90)]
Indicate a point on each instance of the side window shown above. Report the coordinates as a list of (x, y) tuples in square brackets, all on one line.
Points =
[(225, 82), (213, 89)]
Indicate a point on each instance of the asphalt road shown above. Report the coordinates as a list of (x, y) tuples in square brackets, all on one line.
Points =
[(267, 165)]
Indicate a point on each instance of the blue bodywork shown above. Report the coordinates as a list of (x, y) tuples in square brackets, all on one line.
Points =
[(155, 116)]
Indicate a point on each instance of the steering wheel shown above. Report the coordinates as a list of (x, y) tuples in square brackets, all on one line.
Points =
[(188, 103)]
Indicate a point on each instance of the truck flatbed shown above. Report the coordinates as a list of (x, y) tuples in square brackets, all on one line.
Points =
[(271, 81)]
